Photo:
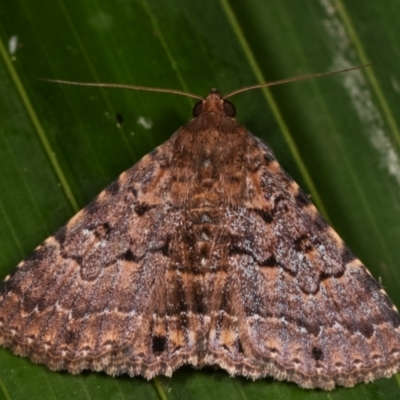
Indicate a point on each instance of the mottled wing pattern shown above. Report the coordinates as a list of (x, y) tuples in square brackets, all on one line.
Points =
[(205, 253), (96, 294), (307, 309)]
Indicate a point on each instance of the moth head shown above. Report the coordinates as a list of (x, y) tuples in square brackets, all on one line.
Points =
[(214, 103)]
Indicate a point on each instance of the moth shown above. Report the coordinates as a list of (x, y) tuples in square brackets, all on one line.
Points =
[(205, 252)]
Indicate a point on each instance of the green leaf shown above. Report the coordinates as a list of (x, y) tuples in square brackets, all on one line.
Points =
[(60, 146)]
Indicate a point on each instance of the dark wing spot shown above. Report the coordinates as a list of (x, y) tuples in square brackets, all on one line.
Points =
[(159, 344), (235, 249), (102, 230), (3, 289), (77, 258), (128, 256), (29, 303), (113, 188), (240, 347), (269, 262), (302, 200), (70, 337), (60, 235), (273, 350), (132, 190), (265, 215), (107, 228), (268, 158), (369, 283), (165, 248), (205, 249), (366, 329), (130, 195), (321, 223), (278, 199), (347, 255), (141, 208), (303, 244), (317, 353), (338, 364), (393, 316), (227, 348), (323, 276)]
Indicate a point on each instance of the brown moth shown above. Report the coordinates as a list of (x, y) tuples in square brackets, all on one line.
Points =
[(203, 253)]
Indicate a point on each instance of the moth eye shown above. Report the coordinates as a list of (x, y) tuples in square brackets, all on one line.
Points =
[(197, 109), (229, 108)]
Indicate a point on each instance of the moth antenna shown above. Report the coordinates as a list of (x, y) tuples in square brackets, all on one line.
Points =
[(124, 86), (195, 96), (293, 79)]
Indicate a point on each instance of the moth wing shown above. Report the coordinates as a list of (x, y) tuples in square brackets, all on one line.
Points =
[(305, 308), (94, 295)]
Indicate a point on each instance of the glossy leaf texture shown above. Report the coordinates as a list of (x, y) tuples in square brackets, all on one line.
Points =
[(61, 145)]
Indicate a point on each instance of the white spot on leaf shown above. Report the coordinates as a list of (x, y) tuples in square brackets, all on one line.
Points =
[(145, 122), (359, 92), (13, 44)]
